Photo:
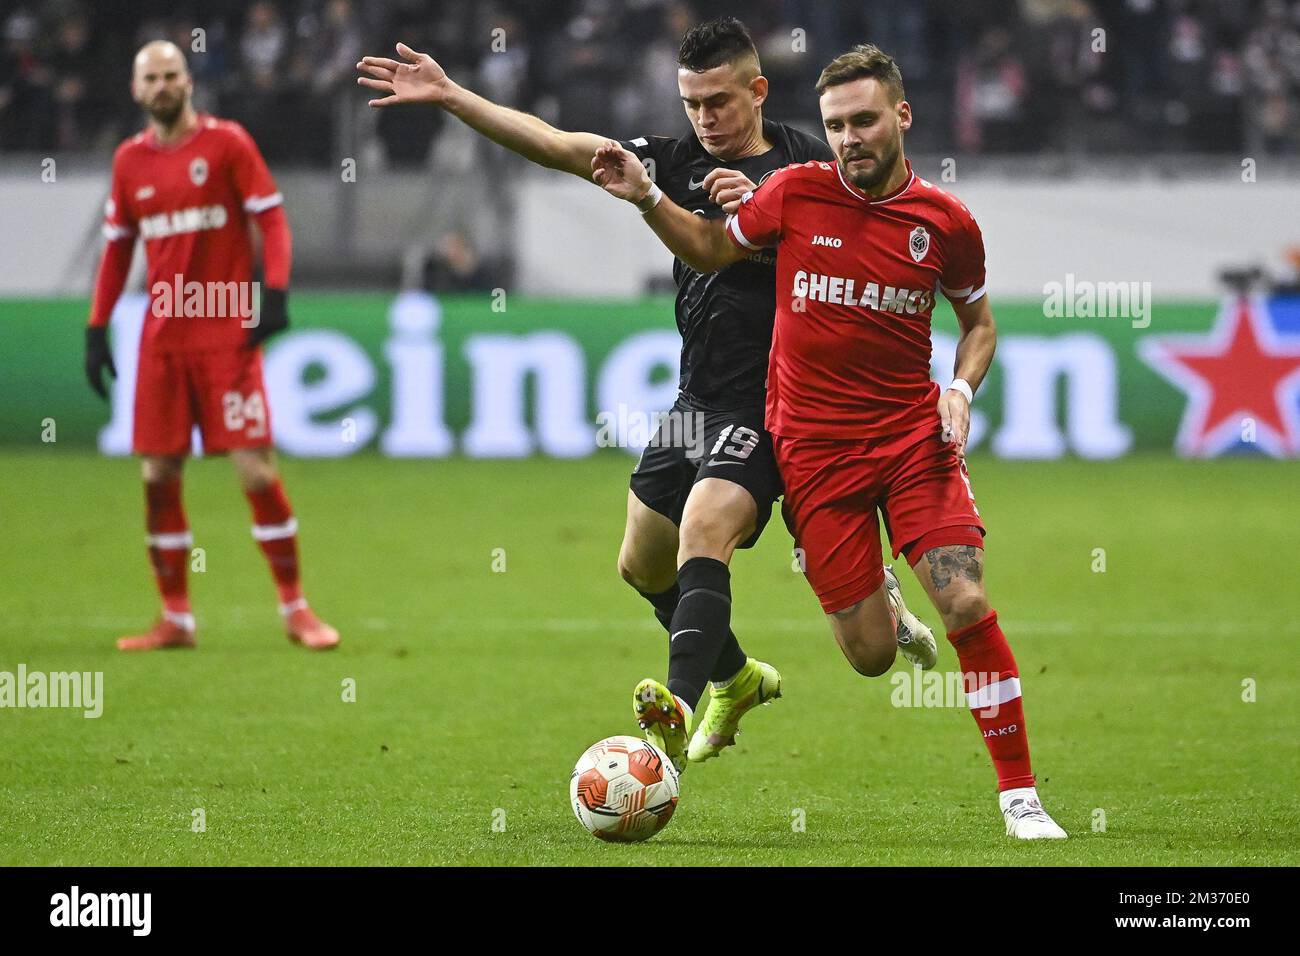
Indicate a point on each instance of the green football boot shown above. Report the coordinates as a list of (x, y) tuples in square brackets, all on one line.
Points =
[(757, 683), (665, 719)]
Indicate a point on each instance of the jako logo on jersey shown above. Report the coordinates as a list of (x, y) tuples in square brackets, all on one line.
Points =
[(144, 192), (199, 171), (194, 219), (813, 287), (918, 243), (827, 241)]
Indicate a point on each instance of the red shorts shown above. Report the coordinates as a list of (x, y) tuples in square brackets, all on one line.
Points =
[(221, 392), (832, 491)]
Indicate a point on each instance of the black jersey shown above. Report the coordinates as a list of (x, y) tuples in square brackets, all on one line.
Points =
[(725, 317)]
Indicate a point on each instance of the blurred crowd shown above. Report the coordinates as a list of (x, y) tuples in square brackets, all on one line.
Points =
[(984, 76)]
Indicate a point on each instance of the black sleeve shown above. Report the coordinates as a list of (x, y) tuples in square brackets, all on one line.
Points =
[(807, 147), (656, 150)]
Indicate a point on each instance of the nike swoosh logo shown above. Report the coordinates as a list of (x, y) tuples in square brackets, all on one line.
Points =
[(694, 185), (689, 630), (714, 461)]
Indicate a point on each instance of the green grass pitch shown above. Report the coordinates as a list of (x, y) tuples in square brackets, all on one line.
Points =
[(477, 690)]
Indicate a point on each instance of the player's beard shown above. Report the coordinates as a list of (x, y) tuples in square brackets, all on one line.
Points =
[(167, 112), (869, 179)]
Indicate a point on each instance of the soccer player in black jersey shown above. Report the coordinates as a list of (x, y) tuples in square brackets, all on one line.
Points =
[(707, 482)]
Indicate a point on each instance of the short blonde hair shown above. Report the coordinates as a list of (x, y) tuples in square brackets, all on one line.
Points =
[(864, 60)]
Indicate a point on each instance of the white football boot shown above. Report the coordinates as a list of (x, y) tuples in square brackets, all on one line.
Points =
[(1025, 816), (915, 640)]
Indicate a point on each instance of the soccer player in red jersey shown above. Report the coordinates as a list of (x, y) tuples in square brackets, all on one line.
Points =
[(187, 186), (863, 246)]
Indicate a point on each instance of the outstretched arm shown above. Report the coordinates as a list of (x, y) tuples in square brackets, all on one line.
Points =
[(700, 243), (419, 79)]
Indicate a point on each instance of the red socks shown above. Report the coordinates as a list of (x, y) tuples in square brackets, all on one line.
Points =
[(276, 532), (993, 694), (169, 542)]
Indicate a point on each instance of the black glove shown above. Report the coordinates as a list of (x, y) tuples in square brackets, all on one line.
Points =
[(273, 318), (98, 358)]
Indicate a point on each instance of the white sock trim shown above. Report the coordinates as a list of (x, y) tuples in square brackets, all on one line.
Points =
[(298, 605), (991, 695), (180, 619), (275, 532), (170, 540)]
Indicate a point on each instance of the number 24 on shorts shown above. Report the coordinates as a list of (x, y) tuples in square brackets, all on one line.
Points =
[(242, 413)]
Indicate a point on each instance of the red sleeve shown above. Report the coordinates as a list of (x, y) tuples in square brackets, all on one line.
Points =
[(119, 219), (756, 224), (277, 247), (963, 278), (115, 264), (114, 267), (252, 179)]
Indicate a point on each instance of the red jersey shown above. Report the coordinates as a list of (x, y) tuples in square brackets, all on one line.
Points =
[(189, 201), (856, 279)]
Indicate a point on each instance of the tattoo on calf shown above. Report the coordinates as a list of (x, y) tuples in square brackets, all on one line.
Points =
[(954, 561)]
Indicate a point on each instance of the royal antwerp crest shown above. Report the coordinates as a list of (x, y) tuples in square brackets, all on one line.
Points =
[(199, 171), (1242, 380), (918, 243)]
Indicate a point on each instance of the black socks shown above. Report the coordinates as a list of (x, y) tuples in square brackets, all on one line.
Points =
[(689, 655), (700, 638), (664, 604)]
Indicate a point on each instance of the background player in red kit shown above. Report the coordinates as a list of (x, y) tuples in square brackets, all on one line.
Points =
[(863, 245), (187, 186)]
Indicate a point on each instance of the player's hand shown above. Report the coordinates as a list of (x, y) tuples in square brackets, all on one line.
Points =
[(98, 358), (273, 317), (954, 414), (619, 172), (419, 80), (726, 188)]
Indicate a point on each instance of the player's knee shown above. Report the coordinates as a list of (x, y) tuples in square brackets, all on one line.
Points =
[(869, 645), (871, 660), (708, 535), (964, 607), (629, 572), (642, 577), (256, 475), (157, 470), (256, 482)]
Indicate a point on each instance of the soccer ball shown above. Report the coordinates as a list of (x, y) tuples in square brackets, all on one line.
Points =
[(624, 789)]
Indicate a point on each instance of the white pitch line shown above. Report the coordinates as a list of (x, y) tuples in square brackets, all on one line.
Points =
[(249, 618)]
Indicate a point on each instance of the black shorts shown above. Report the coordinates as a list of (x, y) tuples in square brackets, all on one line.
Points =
[(691, 444)]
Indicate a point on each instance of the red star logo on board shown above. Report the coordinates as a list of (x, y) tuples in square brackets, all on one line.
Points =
[(1242, 381)]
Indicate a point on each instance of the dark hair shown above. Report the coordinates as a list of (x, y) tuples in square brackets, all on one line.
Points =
[(709, 45), (864, 60)]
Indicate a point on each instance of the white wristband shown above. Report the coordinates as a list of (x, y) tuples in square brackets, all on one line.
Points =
[(650, 199), (963, 386)]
